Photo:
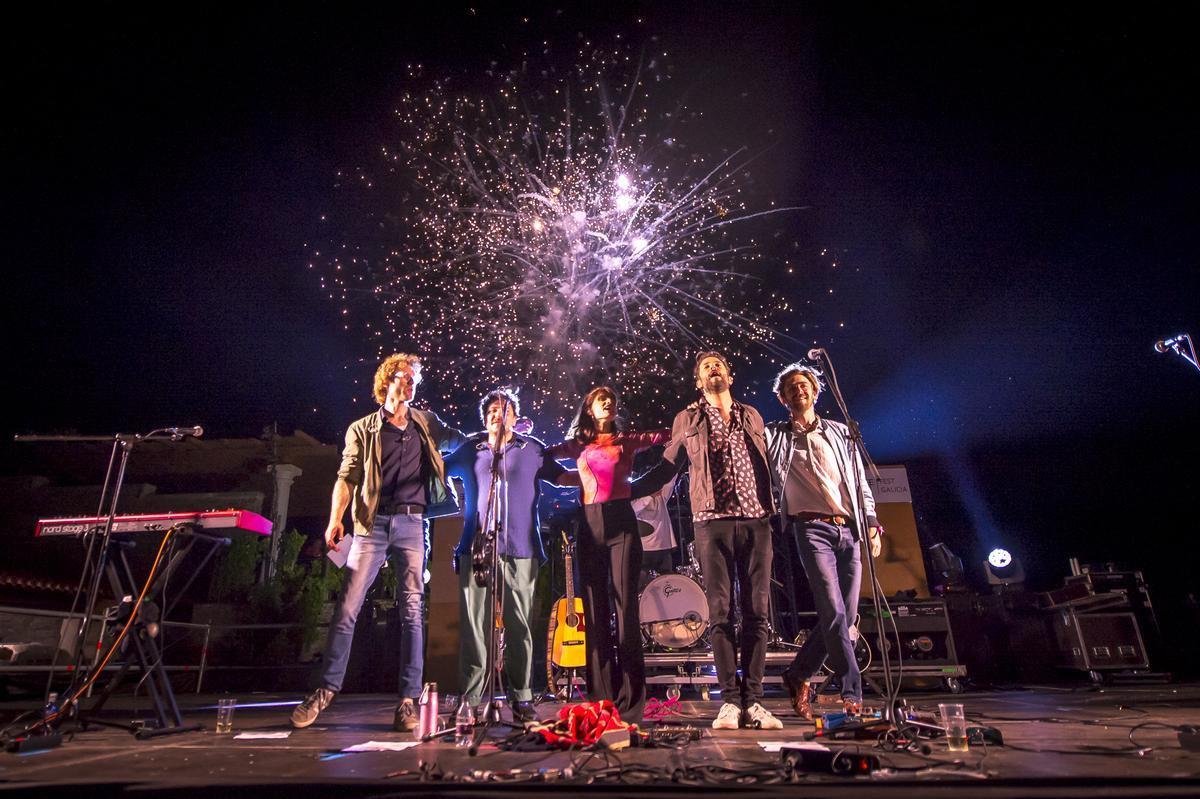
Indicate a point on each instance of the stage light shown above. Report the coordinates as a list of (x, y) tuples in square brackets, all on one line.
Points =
[(949, 569), (999, 558), (1003, 568)]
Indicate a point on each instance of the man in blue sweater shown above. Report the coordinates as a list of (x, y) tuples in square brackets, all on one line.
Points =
[(521, 462)]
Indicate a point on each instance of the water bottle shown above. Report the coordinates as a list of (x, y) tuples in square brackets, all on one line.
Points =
[(464, 724), (427, 712), (51, 708)]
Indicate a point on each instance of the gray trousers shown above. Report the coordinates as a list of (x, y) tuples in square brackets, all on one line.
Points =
[(520, 574)]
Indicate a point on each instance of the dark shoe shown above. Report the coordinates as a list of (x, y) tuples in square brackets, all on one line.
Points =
[(307, 711), (523, 712), (405, 719), (800, 692)]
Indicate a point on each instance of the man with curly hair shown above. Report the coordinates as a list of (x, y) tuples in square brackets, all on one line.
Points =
[(817, 481), (392, 478)]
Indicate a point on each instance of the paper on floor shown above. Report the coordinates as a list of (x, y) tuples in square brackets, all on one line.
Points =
[(382, 746), (253, 736), (775, 746)]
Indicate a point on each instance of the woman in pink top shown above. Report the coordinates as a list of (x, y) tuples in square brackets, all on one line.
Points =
[(609, 549)]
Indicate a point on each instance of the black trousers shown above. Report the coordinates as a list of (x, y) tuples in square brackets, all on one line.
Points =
[(741, 548), (610, 558), (659, 561)]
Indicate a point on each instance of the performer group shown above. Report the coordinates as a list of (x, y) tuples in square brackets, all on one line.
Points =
[(395, 475)]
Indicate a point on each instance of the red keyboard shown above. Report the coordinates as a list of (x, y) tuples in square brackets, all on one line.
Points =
[(156, 523)]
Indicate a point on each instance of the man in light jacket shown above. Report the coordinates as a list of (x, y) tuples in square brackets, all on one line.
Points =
[(817, 478)]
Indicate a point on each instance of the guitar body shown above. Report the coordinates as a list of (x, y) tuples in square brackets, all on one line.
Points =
[(567, 650)]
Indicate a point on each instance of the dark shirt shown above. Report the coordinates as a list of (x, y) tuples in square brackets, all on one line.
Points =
[(524, 463), (400, 455), (738, 481)]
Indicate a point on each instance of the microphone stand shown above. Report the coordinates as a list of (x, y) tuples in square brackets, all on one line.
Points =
[(495, 527), (1173, 344), (859, 457)]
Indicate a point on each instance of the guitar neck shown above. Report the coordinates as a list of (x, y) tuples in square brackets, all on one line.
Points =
[(570, 580)]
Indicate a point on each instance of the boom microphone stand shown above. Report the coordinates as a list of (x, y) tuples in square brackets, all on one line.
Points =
[(859, 457), (495, 529), (1176, 344)]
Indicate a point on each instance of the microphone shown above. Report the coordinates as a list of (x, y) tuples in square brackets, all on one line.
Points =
[(815, 354), (1170, 343), (179, 432)]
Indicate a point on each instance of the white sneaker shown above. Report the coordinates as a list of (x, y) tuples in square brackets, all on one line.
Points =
[(761, 718), (729, 717)]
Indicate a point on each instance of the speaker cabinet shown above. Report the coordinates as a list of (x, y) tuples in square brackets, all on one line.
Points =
[(923, 629), (1099, 641)]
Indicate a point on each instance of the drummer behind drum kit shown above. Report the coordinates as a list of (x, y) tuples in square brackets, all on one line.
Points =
[(674, 609)]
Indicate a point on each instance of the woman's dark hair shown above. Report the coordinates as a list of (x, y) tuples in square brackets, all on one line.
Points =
[(583, 428)]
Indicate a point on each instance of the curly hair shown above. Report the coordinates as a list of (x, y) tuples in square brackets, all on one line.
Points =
[(495, 396), (386, 373), (809, 373), (583, 428)]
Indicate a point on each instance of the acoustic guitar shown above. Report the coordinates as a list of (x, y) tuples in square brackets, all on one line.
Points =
[(566, 622)]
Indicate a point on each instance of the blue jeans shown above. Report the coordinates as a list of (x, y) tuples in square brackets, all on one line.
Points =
[(831, 558), (403, 535)]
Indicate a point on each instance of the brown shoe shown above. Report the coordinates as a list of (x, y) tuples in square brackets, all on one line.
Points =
[(852, 707), (800, 692)]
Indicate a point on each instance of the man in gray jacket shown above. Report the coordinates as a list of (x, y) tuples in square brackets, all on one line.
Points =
[(817, 478), (724, 443), (392, 478)]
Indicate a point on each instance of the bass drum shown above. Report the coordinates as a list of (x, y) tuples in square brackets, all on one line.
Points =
[(674, 611)]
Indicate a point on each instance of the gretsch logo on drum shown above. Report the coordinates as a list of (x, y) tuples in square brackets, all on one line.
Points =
[(669, 589)]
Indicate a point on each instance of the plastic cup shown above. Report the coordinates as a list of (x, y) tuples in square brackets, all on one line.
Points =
[(955, 722), (225, 708)]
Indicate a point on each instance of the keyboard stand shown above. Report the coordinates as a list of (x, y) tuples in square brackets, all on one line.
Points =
[(167, 718)]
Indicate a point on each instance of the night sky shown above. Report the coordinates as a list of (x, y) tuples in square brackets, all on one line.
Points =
[(1009, 196)]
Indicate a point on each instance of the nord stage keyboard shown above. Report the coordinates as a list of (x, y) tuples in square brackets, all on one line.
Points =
[(244, 520)]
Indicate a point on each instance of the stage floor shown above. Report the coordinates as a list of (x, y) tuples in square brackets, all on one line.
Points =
[(1117, 741)]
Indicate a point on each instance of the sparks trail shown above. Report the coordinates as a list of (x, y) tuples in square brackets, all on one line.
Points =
[(555, 230)]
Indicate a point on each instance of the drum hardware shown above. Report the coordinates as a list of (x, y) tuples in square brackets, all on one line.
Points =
[(691, 569)]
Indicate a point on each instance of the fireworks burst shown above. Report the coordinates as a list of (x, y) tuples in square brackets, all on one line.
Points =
[(554, 231)]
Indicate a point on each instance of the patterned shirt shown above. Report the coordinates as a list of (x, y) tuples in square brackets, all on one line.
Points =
[(734, 478)]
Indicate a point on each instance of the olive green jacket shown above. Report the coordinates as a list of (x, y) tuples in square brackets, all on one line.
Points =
[(362, 466)]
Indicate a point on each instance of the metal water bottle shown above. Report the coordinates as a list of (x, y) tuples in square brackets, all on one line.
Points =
[(427, 711)]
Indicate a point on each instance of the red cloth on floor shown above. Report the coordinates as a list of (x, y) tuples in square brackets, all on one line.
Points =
[(582, 724)]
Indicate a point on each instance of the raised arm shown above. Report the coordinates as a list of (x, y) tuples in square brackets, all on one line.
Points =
[(564, 450), (445, 437), (645, 439), (674, 458)]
